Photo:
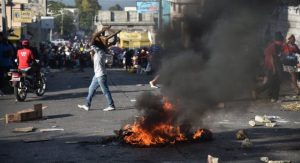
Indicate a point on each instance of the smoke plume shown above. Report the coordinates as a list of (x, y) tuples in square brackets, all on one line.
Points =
[(219, 63)]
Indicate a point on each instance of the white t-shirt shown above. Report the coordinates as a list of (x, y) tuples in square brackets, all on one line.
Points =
[(99, 62)]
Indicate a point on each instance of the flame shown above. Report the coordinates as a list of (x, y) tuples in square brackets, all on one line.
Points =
[(160, 134), (198, 134), (163, 133), (167, 105)]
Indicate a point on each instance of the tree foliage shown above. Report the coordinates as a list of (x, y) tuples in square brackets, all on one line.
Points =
[(87, 11), (116, 7), (65, 21), (55, 7)]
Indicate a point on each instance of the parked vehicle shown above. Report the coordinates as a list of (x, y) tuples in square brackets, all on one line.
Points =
[(23, 83)]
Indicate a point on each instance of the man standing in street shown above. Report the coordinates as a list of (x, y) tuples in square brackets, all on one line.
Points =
[(98, 54)]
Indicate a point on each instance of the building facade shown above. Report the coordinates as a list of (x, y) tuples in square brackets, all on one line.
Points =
[(23, 18)]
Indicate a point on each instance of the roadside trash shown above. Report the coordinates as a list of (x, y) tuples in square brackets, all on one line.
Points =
[(211, 159), (246, 143), (279, 161), (266, 120), (270, 124), (26, 115), (139, 85), (264, 159), (23, 130), (252, 123), (133, 100), (241, 135), (262, 119), (294, 106), (51, 129)]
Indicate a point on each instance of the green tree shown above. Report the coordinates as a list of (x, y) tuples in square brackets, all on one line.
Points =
[(116, 7), (87, 11), (55, 7), (65, 22)]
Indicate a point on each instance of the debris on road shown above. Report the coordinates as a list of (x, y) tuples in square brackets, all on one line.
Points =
[(268, 121), (24, 129), (26, 114), (264, 159), (280, 161), (51, 129), (294, 106), (211, 159), (241, 135), (271, 124), (33, 140), (246, 143), (133, 100), (262, 119), (253, 123)]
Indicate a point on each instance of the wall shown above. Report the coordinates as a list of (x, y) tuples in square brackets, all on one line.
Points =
[(287, 20)]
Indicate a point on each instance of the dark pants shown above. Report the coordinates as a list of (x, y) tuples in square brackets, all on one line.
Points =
[(4, 79), (272, 85)]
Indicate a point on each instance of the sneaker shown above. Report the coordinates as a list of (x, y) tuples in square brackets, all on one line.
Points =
[(84, 107), (110, 108), (152, 85)]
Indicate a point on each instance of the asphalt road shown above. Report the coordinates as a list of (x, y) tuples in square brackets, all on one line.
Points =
[(84, 131)]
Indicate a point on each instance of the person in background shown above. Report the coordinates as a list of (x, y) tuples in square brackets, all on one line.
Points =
[(128, 59), (272, 68), (26, 58), (290, 48), (6, 61)]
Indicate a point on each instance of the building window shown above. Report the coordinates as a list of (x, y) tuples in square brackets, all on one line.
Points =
[(112, 16), (128, 16)]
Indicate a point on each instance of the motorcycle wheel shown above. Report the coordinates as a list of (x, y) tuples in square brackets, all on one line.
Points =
[(20, 92), (41, 86)]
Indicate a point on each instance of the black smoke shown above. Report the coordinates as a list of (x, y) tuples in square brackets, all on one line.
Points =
[(220, 62)]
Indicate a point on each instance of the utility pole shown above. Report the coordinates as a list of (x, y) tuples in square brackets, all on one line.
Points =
[(3, 8), (160, 15), (62, 23)]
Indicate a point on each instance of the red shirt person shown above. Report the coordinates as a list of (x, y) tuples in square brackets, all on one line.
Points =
[(25, 55)]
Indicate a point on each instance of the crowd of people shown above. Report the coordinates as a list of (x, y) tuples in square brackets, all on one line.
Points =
[(136, 60), (280, 57)]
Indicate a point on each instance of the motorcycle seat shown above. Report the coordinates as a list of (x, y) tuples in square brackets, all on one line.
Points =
[(25, 69)]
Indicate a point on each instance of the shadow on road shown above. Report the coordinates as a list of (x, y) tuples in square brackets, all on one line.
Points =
[(277, 144), (58, 116)]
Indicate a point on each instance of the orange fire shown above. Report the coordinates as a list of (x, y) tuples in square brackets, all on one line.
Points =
[(162, 133), (167, 105)]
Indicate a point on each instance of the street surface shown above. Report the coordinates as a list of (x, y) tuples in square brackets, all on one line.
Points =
[(83, 130)]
